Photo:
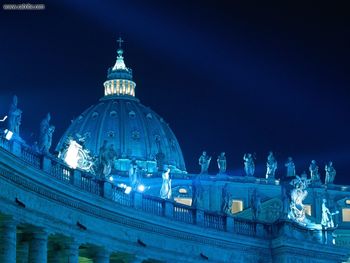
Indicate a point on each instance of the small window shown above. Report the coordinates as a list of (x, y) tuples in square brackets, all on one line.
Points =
[(308, 210), (182, 191), (346, 214), (132, 114), (94, 114), (237, 206), (347, 202)]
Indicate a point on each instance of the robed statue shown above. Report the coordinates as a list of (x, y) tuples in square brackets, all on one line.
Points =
[(46, 133), (14, 116), (249, 166), (271, 166), (221, 163), (313, 168), (330, 173), (290, 167), (204, 162), (165, 190)]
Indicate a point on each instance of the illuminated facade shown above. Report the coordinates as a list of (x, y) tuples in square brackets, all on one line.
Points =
[(66, 209)]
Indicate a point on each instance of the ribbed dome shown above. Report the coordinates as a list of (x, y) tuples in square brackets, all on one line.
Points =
[(136, 132)]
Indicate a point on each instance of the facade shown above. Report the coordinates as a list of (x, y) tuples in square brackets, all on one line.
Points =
[(118, 191)]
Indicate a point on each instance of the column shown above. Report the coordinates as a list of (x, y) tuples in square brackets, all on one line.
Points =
[(102, 256), (22, 251), (71, 251), (38, 247), (8, 238)]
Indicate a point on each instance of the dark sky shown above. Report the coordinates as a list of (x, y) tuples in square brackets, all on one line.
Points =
[(235, 77)]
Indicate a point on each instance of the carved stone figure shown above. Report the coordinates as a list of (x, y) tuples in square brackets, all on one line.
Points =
[(221, 163), (204, 162), (249, 166), (330, 173), (165, 190), (255, 203), (327, 216), (133, 174), (313, 168), (15, 116), (290, 167), (271, 166), (45, 137), (105, 161)]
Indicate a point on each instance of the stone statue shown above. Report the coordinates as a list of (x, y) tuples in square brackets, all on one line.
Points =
[(165, 190), (105, 161), (271, 166), (330, 173), (15, 116), (221, 163), (46, 132), (314, 174), (133, 174), (255, 203), (249, 166), (204, 162), (327, 216), (290, 167)]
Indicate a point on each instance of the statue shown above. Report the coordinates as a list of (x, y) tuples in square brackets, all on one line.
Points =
[(105, 161), (249, 166), (225, 196), (15, 116), (290, 167), (255, 203), (313, 168), (298, 194), (46, 132), (204, 162), (330, 173), (165, 190), (271, 166), (327, 216), (221, 163), (133, 174)]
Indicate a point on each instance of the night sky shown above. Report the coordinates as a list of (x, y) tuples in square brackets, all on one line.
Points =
[(242, 77)]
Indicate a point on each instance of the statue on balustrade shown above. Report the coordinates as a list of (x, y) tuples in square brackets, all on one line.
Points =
[(314, 174), (290, 167), (105, 160), (15, 116), (327, 216), (133, 174), (204, 162), (330, 173), (45, 137), (271, 166), (222, 163), (249, 166), (255, 204), (165, 190)]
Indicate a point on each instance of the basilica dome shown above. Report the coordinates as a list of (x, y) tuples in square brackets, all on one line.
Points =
[(135, 131)]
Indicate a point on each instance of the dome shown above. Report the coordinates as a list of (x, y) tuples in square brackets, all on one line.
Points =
[(135, 131)]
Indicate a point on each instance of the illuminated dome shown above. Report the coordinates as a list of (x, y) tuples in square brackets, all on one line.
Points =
[(136, 132)]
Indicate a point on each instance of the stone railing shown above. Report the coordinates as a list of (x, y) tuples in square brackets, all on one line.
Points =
[(55, 168)]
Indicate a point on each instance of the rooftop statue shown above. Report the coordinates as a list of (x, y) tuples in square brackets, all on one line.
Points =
[(14, 116), (249, 166), (271, 166), (327, 216), (255, 203), (133, 175), (330, 173), (165, 190), (221, 163), (105, 160), (290, 167), (45, 137), (204, 162), (314, 174)]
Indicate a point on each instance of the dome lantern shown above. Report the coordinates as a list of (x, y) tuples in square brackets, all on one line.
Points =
[(119, 78)]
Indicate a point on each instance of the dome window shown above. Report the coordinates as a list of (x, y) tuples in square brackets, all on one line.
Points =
[(111, 134), (113, 114), (80, 118), (157, 138), (132, 114), (182, 191), (94, 115), (149, 116), (135, 135)]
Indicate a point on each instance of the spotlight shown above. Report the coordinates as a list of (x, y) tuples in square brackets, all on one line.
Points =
[(8, 134), (127, 190), (111, 178), (141, 188)]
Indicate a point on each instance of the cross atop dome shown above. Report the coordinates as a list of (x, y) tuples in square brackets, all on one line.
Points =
[(120, 41)]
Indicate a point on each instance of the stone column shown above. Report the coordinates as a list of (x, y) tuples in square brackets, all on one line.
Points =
[(8, 238), (22, 251), (102, 256), (38, 247), (71, 251)]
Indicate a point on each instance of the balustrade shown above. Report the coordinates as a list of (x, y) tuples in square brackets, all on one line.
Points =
[(184, 213), (31, 156), (213, 220), (120, 197), (154, 205)]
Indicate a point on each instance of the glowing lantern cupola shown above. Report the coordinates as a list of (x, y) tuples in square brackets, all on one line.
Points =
[(134, 132), (119, 77)]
